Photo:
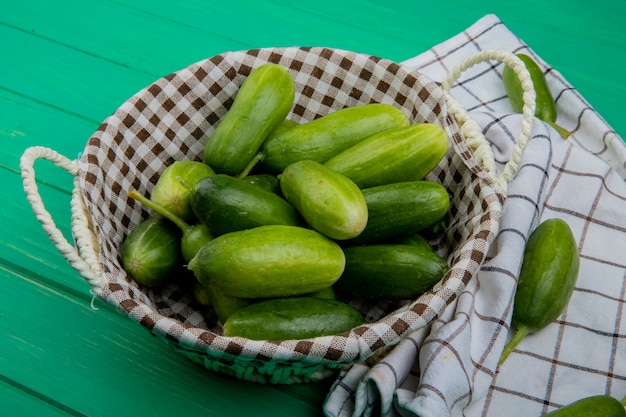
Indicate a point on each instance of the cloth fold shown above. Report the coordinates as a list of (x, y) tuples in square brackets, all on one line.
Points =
[(450, 368)]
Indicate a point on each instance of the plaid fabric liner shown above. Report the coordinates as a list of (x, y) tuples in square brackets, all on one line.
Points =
[(171, 119), (450, 368)]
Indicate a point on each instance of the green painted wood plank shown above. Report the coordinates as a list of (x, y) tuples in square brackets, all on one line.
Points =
[(99, 363), (18, 401)]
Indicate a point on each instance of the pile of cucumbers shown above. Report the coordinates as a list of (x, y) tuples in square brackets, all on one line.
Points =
[(281, 215)]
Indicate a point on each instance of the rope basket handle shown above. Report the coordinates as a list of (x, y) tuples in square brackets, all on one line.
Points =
[(470, 130), (83, 256)]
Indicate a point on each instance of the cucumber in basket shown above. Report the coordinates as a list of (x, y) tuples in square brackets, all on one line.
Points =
[(292, 318), (261, 105)]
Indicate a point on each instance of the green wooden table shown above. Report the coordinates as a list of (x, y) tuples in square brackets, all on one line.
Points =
[(68, 64)]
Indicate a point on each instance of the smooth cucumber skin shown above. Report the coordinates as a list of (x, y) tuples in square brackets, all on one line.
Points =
[(269, 261), (405, 153), (173, 195), (322, 138), (268, 182), (390, 271), (545, 107), (548, 275), (261, 104), (292, 318), (594, 406), (400, 209), (330, 203), (151, 251), (227, 204)]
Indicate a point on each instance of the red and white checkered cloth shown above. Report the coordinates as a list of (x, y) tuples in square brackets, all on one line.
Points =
[(450, 368)]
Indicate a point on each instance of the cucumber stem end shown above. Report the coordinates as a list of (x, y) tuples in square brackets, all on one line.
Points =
[(521, 333)]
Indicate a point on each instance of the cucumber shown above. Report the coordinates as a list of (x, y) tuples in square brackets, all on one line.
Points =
[(390, 271), (224, 305), (546, 281), (269, 261), (172, 188), (405, 153), (415, 239), (268, 182), (261, 104), (594, 406), (227, 204), (324, 137), (545, 107), (330, 203), (151, 251), (401, 209), (292, 318)]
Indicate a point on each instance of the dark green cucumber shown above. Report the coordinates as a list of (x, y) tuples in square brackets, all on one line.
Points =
[(268, 182), (405, 153), (330, 202), (292, 318), (594, 406), (546, 281), (227, 204), (322, 138), (545, 107), (151, 251), (390, 271), (269, 261), (415, 239), (401, 209), (261, 104), (193, 236)]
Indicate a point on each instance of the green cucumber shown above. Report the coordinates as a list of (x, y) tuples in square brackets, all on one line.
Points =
[(227, 204), (224, 305), (193, 236), (151, 251), (292, 318), (390, 271), (269, 261), (545, 107), (330, 203), (400, 209), (405, 153), (593, 406), (261, 104), (268, 182), (415, 239), (324, 137), (546, 281), (172, 188)]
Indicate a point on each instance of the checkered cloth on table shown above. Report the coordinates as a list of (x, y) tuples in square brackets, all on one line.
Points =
[(450, 369)]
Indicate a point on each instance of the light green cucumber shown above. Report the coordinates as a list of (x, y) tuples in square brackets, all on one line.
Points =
[(261, 104), (269, 261), (324, 137), (330, 202), (405, 153), (172, 188)]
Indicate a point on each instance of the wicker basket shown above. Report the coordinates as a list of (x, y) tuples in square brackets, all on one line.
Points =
[(171, 119)]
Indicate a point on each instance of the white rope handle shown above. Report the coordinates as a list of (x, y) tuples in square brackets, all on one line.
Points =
[(85, 259), (470, 129)]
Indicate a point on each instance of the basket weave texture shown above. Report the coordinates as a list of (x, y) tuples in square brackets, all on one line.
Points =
[(171, 120)]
